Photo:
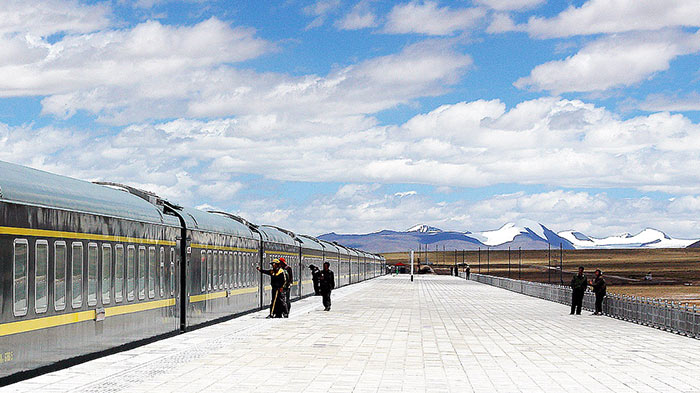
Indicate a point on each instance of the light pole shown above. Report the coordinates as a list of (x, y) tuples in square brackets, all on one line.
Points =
[(411, 265)]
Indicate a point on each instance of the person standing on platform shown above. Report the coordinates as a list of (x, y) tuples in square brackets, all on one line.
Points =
[(599, 288), (578, 289), (277, 280), (326, 282), (468, 271), (287, 285), (314, 277)]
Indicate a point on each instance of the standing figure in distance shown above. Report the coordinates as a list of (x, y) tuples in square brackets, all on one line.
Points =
[(277, 280), (326, 283), (315, 272), (578, 289), (287, 285), (599, 289), (468, 271)]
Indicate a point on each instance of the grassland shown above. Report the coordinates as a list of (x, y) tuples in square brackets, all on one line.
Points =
[(675, 272)]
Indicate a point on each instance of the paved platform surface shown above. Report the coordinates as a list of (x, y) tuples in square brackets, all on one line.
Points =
[(437, 334)]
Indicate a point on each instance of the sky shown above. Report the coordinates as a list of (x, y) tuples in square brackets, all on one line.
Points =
[(358, 116)]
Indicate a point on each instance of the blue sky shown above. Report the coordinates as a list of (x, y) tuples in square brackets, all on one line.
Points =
[(357, 116)]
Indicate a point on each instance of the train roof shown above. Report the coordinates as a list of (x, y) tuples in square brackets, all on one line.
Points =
[(330, 247), (311, 243), (32, 186), (277, 235), (215, 223)]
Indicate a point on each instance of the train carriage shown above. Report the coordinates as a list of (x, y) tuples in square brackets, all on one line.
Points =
[(312, 251), (279, 243), (85, 268), (331, 254), (223, 255)]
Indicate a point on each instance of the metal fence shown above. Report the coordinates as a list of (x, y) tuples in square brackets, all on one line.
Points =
[(670, 316)]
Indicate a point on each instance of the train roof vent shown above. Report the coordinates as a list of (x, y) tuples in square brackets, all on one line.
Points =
[(288, 232), (234, 217), (147, 196)]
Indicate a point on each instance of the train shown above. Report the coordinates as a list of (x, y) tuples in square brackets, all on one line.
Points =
[(89, 268)]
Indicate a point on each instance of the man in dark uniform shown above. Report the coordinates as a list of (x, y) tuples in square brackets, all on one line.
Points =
[(314, 277), (287, 285), (468, 271), (326, 282), (578, 289), (277, 280), (599, 288)]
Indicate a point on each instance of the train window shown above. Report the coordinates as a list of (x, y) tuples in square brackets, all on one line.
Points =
[(152, 271), (237, 270), (119, 273), (142, 272), (221, 269), (210, 269), (203, 270), (130, 272), (92, 274), (76, 274), (41, 287), (106, 273), (161, 280), (225, 265), (172, 271), (215, 269), (21, 262), (59, 276), (234, 269)]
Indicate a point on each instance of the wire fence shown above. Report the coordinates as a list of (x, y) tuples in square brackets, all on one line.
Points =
[(670, 316)]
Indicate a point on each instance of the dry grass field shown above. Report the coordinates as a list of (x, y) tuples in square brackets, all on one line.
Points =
[(675, 272)]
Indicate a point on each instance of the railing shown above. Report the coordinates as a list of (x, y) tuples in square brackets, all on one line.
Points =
[(670, 316)]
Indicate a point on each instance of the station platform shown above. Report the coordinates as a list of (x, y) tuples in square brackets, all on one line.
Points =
[(436, 334)]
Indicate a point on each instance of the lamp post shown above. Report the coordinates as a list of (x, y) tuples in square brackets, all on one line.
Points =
[(411, 265), (549, 263), (520, 261), (508, 262)]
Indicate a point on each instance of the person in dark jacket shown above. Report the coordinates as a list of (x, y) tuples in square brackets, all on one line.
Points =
[(468, 271), (314, 277), (578, 289), (287, 285), (326, 283), (599, 288), (277, 279)]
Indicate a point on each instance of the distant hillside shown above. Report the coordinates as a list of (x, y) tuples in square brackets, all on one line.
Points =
[(525, 234)]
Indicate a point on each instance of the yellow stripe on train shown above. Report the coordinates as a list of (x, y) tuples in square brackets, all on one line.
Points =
[(81, 316), (80, 236)]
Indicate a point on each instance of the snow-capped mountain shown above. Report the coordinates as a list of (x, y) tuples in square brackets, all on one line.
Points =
[(423, 229), (524, 234), (648, 238)]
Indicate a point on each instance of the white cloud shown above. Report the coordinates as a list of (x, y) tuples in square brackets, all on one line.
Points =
[(41, 18), (320, 11), (430, 19), (660, 102), (616, 16), (511, 5), (360, 17), (612, 62)]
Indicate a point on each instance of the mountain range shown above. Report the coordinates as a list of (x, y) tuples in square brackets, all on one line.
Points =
[(528, 235)]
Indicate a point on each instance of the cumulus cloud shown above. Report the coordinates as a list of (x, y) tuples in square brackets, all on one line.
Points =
[(616, 16), (320, 10), (511, 5), (41, 18), (360, 17), (373, 209), (430, 19), (669, 103), (612, 62)]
